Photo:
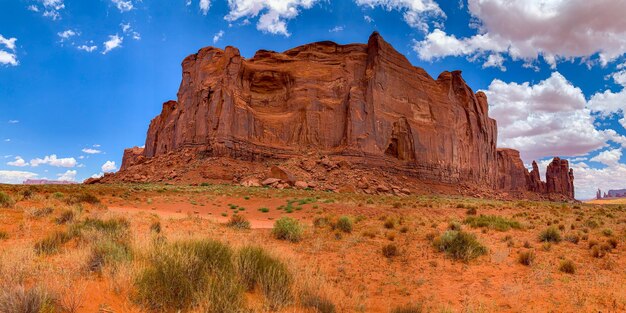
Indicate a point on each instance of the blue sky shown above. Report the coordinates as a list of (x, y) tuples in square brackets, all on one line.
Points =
[(80, 80)]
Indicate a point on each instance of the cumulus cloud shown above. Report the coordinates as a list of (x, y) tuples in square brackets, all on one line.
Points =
[(553, 29), (608, 157), (15, 177), (18, 162), (545, 119), (273, 15), (87, 48), (91, 151), (69, 175), (218, 36), (204, 6), (608, 102), (7, 54), (109, 166), (66, 34), (114, 42), (416, 13), (98, 175), (51, 8), (52, 160), (122, 5)]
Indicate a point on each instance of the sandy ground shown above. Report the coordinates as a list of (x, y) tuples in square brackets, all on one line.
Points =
[(349, 267)]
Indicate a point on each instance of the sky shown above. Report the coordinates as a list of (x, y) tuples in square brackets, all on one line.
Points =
[(81, 80)]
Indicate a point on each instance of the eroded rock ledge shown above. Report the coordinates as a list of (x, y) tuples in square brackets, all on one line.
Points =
[(361, 104)]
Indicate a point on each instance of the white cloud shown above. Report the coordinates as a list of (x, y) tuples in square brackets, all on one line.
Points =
[(15, 177), (52, 160), (416, 13), (114, 42), (546, 119), (97, 175), (109, 166), (587, 179), (608, 157), (495, 60), (18, 162), (33, 8), (336, 29), (66, 34), (273, 13), (218, 36), (87, 48), (7, 140), (13, 121), (204, 6), (609, 102), (52, 8), (8, 57), (125, 27), (123, 6), (368, 19), (69, 175), (91, 151), (553, 29)]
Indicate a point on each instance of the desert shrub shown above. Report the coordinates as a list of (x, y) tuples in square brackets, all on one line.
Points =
[(84, 197), (550, 234), (319, 304), (598, 251), (6, 201), (390, 251), (108, 252), (286, 228), (155, 227), (612, 242), (321, 222), (409, 308), (431, 236), (471, 211), (526, 258), (28, 193), (52, 243), (258, 268), (567, 266), (21, 300), (185, 274), (459, 245), (592, 224), (492, 221), (65, 217), (238, 221), (454, 225), (112, 228), (607, 232), (4, 235), (264, 210), (38, 213), (344, 224), (389, 223), (404, 229), (573, 238)]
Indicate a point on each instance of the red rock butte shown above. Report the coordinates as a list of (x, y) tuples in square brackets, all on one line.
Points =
[(360, 109)]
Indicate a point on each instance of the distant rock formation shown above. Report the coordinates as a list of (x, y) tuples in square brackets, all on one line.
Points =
[(362, 103), (47, 182)]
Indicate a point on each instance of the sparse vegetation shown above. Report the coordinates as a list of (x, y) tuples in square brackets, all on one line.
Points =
[(344, 224), (238, 222), (459, 245), (257, 268), (287, 228), (526, 258), (550, 234), (52, 243), (409, 308), (491, 221), (390, 251), (19, 299), (6, 201), (567, 266)]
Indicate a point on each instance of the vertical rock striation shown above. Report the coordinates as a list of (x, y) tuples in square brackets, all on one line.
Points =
[(365, 102)]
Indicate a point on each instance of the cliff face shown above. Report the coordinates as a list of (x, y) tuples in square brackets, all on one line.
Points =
[(362, 101)]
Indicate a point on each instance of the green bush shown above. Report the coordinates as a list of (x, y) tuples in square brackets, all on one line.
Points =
[(344, 224), (108, 252), (238, 221), (492, 221), (6, 201), (257, 268), (52, 243), (459, 245), (186, 274), (287, 228), (550, 234)]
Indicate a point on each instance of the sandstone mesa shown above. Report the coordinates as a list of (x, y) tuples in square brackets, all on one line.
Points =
[(356, 117)]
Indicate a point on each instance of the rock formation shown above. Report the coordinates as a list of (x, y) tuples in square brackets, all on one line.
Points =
[(362, 103)]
